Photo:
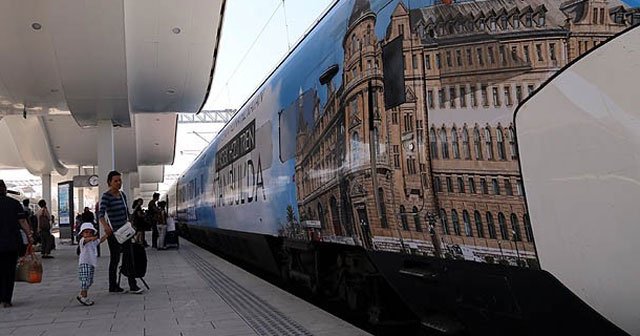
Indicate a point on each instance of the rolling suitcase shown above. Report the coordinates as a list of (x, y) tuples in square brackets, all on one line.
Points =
[(134, 262), (171, 239)]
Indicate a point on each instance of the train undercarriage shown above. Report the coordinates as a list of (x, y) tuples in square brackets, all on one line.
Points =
[(445, 297)]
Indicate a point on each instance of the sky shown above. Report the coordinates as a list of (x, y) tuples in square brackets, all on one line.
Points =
[(254, 40)]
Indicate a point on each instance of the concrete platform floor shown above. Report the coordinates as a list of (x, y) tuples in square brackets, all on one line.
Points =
[(193, 292)]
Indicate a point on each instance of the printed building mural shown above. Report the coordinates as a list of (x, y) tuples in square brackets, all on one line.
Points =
[(446, 179)]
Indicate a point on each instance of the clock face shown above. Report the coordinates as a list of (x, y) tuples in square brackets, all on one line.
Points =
[(409, 146), (93, 180)]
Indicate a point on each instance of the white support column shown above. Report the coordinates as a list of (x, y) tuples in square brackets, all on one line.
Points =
[(106, 159), (80, 194), (46, 189), (106, 154)]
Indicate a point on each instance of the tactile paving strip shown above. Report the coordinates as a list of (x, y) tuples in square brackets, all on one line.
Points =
[(260, 315)]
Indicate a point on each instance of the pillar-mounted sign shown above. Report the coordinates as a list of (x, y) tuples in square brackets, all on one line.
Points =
[(65, 208)]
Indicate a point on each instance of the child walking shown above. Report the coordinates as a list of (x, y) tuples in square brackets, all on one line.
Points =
[(88, 259)]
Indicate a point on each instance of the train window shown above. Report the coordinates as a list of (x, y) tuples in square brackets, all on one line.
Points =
[(454, 143), (527, 228), (478, 219), (502, 223), (403, 218), (467, 223), (288, 123), (437, 185), (472, 186), (443, 219), (416, 219), (456, 222), (490, 226), (515, 227)]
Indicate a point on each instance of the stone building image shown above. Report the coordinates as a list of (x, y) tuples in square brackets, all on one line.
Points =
[(446, 178)]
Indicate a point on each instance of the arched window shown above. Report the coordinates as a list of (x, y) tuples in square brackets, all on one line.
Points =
[(467, 223), (502, 224), (515, 227), (488, 143), (321, 215), (500, 143), (491, 226), (528, 231), (478, 219), (403, 218), (512, 143), (416, 219), (443, 219), (444, 143), (465, 144), (456, 222), (477, 145), (454, 143), (355, 148), (432, 143)]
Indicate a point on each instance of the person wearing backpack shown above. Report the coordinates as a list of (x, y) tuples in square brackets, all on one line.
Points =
[(44, 227)]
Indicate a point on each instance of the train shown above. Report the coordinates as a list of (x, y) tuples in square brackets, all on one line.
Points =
[(472, 162)]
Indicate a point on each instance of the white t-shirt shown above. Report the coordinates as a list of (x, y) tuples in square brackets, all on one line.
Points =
[(89, 252)]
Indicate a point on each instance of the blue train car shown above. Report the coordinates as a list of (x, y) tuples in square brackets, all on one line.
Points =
[(378, 164)]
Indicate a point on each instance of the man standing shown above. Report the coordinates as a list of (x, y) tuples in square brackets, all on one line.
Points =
[(152, 214), (12, 217), (113, 203), (87, 216)]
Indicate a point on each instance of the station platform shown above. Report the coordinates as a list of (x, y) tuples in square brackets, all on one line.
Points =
[(192, 292)]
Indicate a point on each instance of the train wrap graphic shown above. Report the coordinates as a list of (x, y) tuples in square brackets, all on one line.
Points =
[(384, 144)]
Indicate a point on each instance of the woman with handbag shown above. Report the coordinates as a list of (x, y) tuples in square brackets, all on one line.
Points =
[(12, 217), (113, 204)]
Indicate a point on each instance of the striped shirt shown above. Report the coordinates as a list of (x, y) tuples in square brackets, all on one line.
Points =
[(115, 208)]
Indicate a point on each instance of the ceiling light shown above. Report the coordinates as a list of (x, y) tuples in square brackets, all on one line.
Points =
[(36, 26), (170, 91), (176, 30)]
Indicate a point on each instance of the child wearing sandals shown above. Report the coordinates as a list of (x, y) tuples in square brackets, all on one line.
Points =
[(88, 259)]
